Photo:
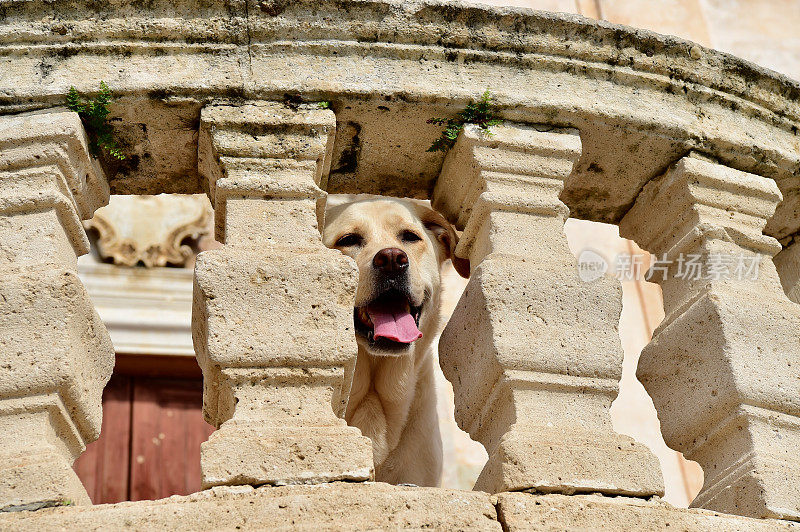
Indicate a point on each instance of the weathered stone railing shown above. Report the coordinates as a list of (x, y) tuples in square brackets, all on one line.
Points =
[(688, 149)]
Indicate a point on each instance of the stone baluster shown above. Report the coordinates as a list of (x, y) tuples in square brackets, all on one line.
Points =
[(723, 367), (533, 352), (787, 263), (273, 308), (55, 354)]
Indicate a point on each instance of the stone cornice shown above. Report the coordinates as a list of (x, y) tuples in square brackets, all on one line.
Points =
[(486, 34), (146, 310)]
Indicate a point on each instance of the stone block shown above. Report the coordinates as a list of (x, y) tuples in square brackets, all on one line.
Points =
[(377, 506), (273, 335), (512, 158), (250, 222), (265, 151), (40, 440), (531, 378), (48, 184), (56, 358), (52, 341), (39, 236), (339, 506), (55, 137), (551, 459), (274, 307), (278, 453)]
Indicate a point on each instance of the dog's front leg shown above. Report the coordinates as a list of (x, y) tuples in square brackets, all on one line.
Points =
[(369, 418), (380, 398)]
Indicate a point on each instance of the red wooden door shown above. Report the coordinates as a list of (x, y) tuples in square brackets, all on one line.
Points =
[(149, 447), (105, 465), (168, 429)]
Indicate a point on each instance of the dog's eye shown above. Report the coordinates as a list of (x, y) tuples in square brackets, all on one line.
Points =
[(410, 236), (349, 240)]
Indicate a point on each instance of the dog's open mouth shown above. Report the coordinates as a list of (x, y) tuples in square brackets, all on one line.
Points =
[(390, 322)]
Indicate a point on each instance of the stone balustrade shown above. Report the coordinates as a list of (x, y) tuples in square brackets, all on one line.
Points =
[(689, 150)]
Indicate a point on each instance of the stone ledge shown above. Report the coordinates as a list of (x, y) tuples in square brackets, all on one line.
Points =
[(525, 511), (338, 505), (371, 505)]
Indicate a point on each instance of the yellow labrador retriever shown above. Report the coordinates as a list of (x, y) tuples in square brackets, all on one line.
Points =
[(399, 246)]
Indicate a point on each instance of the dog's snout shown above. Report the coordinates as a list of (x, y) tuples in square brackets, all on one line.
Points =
[(390, 260)]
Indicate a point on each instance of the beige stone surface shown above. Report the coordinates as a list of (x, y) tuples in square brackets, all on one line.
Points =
[(632, 412), (274, 332), (374, 506), (339, 506), (55, 353), (49, 184), (532, 351), (523, 511), (682, 18), (265, 150), (640, 99), (273, 308), (33, 475), (722, 365), (251, 300), (278, 452), (52, 341)]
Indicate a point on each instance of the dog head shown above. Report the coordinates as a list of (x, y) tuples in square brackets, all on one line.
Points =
[(399, 247)]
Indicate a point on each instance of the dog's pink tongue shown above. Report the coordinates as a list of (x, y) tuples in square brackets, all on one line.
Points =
[(393, 324)]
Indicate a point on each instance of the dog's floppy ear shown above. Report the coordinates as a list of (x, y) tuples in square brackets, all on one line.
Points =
[(446, 235)]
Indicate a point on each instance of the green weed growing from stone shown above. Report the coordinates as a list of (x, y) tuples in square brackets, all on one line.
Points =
[(93, 113), (481, 113)]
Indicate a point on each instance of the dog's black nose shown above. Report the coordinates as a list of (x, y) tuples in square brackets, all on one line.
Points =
[(390, 260)]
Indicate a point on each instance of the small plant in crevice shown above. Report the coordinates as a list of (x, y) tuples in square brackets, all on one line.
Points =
[(93, 113), (481, 113), (295, 102)]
